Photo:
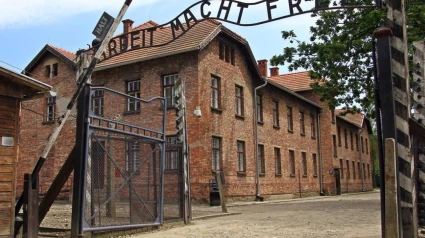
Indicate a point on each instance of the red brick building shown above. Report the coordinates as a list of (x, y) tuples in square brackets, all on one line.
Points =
[(276, 125), (56, 67), (341, 135)]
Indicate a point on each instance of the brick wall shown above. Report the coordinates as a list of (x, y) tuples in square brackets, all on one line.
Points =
[(35, 131), (328, 126), (225, 125)]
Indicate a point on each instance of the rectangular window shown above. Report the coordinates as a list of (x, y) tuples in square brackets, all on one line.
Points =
[(313, 126), (354, 170), (359, 169), (277, 161), (239, 101), (51, 109), (314, 165), (261, 162), (289, 118), (341, 166), (334, 145), (241, 156), (221, 50), (351, 140), (232, 56), (259, 108), (216, 153), (339, 136), (368, 171), (133, 89), (345, 138), (55, 69), (302, 124), (227, 54), (361, 141), (275, 107), (304, 162), (333, 116), (367, 146), (292, 162), (215, 92), (132, 159), (357, 142), (171, 154), (168, 84), (97, 102), (348, 169), (48, 71), (364, 171)]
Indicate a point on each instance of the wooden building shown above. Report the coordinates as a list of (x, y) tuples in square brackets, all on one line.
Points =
[(14, 88)]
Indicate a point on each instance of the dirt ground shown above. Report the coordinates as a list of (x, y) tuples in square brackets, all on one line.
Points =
[(355, 215)]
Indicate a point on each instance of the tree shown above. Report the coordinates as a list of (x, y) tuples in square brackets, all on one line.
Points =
[(338, 53)]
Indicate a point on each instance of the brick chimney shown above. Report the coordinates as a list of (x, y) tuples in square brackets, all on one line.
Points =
[(127, 25), (262, 65), (274, 71)]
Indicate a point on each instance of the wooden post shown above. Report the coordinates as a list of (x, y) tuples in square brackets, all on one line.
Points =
[(406, 190), (30, 207), (391, 208), (221, 192)]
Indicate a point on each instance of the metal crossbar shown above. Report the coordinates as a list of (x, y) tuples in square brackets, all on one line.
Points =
[(127, 180)]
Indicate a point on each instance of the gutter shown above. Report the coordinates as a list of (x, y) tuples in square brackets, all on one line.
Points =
[(257, 174), (361, 159), (45, 94), (319, 151)]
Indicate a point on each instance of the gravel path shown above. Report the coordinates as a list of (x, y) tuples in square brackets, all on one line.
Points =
[(356, 215)]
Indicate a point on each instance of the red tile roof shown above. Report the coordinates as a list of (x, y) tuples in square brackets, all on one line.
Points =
[(193, 39), (356, 118), (299, 81), (67, 54), (145, 25)]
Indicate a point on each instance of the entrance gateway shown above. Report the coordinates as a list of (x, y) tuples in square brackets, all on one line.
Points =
[(150, 212)]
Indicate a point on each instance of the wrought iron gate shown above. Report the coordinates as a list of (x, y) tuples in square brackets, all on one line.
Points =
[(125, 156)]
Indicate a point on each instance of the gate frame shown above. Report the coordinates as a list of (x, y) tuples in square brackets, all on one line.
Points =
[(85, 117)]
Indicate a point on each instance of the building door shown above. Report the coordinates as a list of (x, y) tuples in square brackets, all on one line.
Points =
[(338, 181)]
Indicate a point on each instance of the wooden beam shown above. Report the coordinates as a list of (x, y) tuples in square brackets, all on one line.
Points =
[(57, 185)]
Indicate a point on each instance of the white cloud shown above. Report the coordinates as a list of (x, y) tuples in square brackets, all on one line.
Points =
[(28, 12)]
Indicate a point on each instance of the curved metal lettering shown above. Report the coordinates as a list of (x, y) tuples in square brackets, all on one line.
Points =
[(150, 37)]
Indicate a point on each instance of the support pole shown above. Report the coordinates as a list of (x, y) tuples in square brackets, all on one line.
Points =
[(80, 164), (383, 48), (391, 216), (30, 207), (219, 177)]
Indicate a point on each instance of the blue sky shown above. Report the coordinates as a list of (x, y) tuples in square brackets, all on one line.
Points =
[(27, 25)]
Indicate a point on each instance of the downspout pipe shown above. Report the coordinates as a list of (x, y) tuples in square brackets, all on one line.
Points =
[(319, 151), (257, 167), (361, 159)]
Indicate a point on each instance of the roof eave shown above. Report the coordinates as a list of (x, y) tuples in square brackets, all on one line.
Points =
[(52, 50), (28, 81), (145, 59), (287, 90)]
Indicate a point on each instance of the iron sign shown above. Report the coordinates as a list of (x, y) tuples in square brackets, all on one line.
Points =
[(230, 11), (103, 25)]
